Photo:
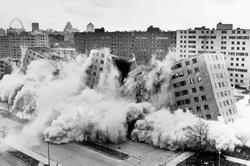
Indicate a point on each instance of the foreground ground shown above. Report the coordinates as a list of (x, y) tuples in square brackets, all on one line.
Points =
[(81, 155), (74, 154)]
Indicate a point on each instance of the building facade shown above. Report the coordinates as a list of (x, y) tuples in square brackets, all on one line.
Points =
[(10, 45), (234, 43), (125, 45), (201, 84)]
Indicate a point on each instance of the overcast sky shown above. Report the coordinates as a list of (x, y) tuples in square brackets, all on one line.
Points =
[(126, 14)]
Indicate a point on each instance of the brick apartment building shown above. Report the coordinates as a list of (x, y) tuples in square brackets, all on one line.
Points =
[(128, 44)]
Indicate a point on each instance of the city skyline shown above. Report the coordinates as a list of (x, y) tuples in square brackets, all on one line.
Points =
[(125, 15)]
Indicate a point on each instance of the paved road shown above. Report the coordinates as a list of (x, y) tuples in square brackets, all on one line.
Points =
[(67, 154), (7, 160)]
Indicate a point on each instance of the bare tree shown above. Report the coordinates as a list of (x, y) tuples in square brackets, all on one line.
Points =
[(197, 135)]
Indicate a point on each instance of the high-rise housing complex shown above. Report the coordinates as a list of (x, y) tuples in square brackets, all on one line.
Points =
[(126, 45), (201, 84), (234, 43)]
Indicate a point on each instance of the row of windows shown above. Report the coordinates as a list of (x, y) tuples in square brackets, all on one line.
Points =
[(237, 64), (194, 90), (236, 75), (239, 70), (238, 42), (225, 103), (237, 59), (216, 66), (198, 108), (236, 80), (223, 94), (219, 75), (183, 102), (220, 85), (238, 53)]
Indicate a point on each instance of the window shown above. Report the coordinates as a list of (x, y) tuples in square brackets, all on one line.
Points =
[(203, 98), (194, 90), (187, 63), (191, 81), (201, 88), (189, 71), (196, 69), (196, 99), (199, 79), (208, 116), (194, 60), (198, 108), (206, 107)]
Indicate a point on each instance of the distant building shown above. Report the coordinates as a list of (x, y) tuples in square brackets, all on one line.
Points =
[(90, 28), (2, 32), (35, 26), (128, 44), (64, 53), (10, 45), (201, 84), (234, 43), (5, 67), (55, 38), (69, 28), (53, 54), (99, 61), (100, 30)]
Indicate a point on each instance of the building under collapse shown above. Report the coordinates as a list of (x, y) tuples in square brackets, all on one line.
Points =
[(199, 84), (53, 54), (102, 59)]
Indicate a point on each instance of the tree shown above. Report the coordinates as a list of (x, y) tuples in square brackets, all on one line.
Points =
[(197, 136)]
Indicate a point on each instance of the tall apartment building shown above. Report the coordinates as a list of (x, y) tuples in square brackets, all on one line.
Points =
[(10, 45), (128, 44), (234, 43), (201, 84)]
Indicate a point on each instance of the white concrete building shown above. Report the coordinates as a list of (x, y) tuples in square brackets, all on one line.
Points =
[(201, 84), (234, 43)]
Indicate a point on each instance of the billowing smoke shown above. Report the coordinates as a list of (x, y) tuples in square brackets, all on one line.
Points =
[(80, 99)]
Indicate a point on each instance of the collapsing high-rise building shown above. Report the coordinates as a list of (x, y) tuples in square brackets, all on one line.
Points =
[(199, 84), (102, 59)]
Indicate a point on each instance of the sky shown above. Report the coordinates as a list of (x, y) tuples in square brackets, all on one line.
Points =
[(125, 14)]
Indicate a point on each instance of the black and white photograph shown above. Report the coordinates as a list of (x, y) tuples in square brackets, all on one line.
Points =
[(124, 83)]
